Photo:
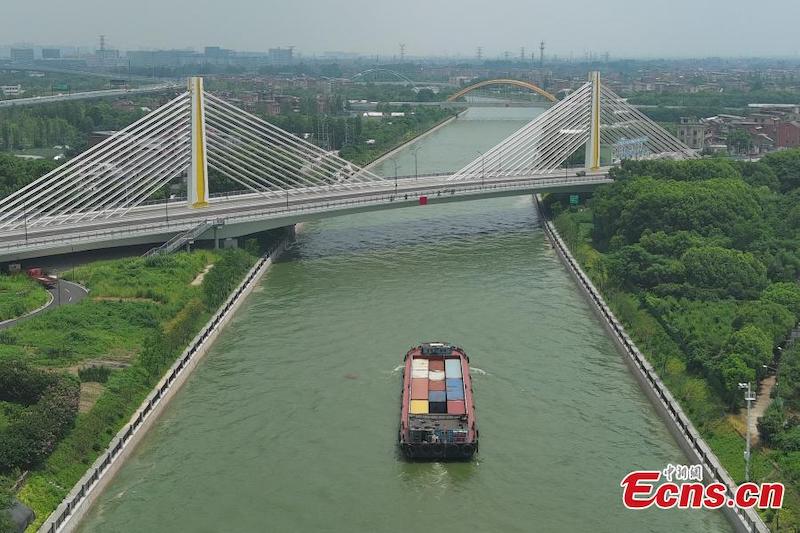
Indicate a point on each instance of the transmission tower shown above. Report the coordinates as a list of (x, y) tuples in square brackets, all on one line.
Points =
[(402, 52), (541, 53), (522, 54), (480, 53)]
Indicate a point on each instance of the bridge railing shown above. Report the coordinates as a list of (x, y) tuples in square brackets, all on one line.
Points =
[(433, 191)]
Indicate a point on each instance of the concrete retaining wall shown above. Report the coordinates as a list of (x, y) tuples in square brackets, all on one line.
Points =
[(69, 513), (678, 423), (383, 157)]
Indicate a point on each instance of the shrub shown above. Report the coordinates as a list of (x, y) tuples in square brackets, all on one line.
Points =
[(94, 374), (226, 274), (29, 439)]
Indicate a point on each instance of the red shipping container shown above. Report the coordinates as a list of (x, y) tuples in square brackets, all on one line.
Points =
[(436, 364), (419, 389), (437, 385), (423, 200), (456, 407)]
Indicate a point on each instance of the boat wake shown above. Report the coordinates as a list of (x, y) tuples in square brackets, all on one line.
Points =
[(478, 371)]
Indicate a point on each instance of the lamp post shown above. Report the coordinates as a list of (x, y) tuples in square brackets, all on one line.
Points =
[(416, 172), (25, 219), (166, 203), (483, 167), (395, 175), (749, 396)]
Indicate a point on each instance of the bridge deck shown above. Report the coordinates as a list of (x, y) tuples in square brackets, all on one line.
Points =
[(247, 213)]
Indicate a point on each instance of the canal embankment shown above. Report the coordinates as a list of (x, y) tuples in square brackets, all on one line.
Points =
[(679, 424), (397, 149), (80, 498)]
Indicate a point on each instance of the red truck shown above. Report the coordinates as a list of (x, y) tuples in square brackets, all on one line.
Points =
[(39, 275)]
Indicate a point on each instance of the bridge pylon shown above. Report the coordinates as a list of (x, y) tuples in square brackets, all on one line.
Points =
[(593, 144), (197, 180), (590, 118)]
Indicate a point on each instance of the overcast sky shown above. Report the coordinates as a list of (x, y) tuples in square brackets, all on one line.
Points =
[(624, 28)]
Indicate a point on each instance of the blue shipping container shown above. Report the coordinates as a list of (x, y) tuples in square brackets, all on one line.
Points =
[(455, 389), (437, 396)]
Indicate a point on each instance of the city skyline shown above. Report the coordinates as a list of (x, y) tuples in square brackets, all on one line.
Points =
[(377, 28)]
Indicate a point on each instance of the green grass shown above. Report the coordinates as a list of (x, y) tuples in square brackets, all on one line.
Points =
[(142, 311), (19, 295)]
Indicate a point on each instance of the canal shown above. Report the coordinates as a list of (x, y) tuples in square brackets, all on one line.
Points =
[(290, 422)]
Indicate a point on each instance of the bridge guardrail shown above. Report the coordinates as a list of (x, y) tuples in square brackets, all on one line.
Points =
[(749, 519), (433, 191)]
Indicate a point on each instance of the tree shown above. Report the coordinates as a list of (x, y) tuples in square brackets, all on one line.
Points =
[(751, 345), (786, 165), (728, 271), (772, 318), (786, 294)]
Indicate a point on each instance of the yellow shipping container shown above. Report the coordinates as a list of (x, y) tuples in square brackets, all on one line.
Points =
[(418, 407)]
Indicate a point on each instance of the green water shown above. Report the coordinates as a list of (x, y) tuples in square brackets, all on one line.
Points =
[(290, 422)]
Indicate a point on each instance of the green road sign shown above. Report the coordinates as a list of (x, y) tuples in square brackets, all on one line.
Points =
[(574, 199)]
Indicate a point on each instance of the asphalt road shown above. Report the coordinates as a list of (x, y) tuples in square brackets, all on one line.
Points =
[(65, 293)]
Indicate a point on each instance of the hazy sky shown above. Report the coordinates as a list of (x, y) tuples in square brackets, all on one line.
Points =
[(624, 28)]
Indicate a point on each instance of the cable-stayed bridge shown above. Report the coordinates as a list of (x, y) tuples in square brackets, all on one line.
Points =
[(105, 196)]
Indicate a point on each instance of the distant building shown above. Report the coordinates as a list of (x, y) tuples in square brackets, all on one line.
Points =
[(11, 90), (281, 56), (216, 52), (22, 54), (51, 53), (162, 58), (788, 134), (692, 133)]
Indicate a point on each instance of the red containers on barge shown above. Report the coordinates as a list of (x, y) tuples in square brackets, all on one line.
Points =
[(437, 420)]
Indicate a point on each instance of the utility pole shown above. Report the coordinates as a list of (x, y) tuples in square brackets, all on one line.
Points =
[(25, 219), (749, 397)]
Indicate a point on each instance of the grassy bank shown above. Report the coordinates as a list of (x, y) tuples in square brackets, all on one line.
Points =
[(19, 295), (699, 261), (118, 343)]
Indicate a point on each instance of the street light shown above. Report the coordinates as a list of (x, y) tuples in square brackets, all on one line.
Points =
[(395, 174), (25, 219), (166, 203), (416, 172), (483, 167), (749, 397)]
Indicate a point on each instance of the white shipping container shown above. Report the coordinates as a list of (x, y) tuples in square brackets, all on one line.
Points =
[(452, 368), (420, 364), (436, 375)]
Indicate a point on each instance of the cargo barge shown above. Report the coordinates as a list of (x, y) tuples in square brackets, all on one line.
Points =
[(437, 420)]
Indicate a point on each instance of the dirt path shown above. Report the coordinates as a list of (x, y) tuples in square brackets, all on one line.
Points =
[(763, 400), (199, 279)]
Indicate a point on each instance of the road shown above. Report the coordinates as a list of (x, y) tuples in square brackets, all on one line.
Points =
[(240, 213), (37, 100), (65, 293)]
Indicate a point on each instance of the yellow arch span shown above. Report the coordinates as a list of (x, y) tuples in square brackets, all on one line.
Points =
[(516, 83)]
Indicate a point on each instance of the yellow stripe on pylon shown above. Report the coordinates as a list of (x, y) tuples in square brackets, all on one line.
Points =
[(200, 144), (596, 121)]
